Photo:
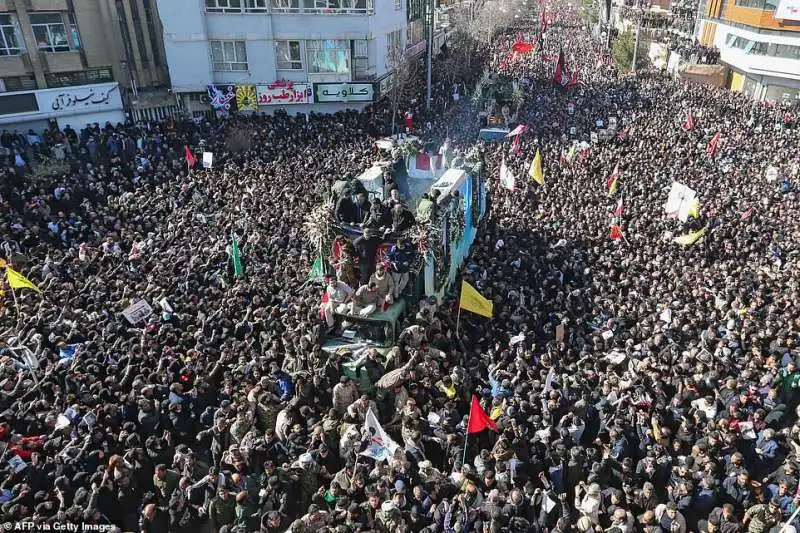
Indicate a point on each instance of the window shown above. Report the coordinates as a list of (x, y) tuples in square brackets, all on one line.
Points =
[(50, 32), (224, 6), (17, 83), (323, 6), (286, 5), (229, 55), (398, 5), (361, 59), (73, 29), (287, 55), (394, 43), (769, 5), (786, 51), (83, 77), (10, 41), (329, 56), (256, 6), (18, 103)]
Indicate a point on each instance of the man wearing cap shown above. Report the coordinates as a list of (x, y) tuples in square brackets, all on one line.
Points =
[(389, 517), (384, 283), (760, 518)]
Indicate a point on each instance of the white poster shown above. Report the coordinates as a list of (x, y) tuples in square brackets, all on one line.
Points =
[(788, 10), (679, 199), (208, 159), (137, 312)]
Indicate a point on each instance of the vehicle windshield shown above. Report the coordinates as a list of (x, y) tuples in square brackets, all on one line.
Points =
[(376, 329), (493, 135)]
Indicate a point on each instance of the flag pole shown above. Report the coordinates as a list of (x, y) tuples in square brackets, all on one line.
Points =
[(14, 294), (458, 318), (466, 436)]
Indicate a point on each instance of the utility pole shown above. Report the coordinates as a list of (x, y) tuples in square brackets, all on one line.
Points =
[(429, 25), (636, 43)]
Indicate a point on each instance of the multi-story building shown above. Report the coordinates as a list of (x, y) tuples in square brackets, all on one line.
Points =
[(296, 55), (759, 40), (80, 61)]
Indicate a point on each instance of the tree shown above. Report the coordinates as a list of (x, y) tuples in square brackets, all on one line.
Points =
[(622, 52), (480, 23), (405, 72), (589, 12), (493, 17)]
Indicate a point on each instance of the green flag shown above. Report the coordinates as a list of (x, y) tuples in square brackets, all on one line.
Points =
[(238, 270), (317, 270)]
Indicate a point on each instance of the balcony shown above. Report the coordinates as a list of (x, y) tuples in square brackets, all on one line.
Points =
[(48, 5), (15, 65), (302, 7), (61, 61), (81, 77)]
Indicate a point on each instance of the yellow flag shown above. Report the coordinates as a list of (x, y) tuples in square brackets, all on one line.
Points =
[(691, 238), (536, 169), (471, 300), (18, 281), (694, 209)]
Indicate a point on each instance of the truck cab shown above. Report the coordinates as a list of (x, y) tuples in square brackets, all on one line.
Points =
[(354, 333)]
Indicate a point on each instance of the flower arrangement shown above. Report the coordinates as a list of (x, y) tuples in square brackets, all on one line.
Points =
[(317, 226), (409, 147)]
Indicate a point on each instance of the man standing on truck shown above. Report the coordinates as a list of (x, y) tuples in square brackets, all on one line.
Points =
[(385, 284), (366, 246), (400, 258)]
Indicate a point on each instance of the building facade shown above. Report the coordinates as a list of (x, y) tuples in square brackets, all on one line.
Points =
[(759, 40), (59, 56), (295, 55)]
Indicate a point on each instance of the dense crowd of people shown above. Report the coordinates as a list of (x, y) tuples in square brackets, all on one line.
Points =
[(636, 385)]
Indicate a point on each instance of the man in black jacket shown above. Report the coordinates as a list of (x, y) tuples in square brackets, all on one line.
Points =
[(366, 246), (154, 520)]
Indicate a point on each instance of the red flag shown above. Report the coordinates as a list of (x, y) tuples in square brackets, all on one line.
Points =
[(423, 162), (478, 419), (515, 144), (522, 47), (747, 214), (689, 124), (582, 154), (712, 146), (623, 134), (616, 233), (190, 159)]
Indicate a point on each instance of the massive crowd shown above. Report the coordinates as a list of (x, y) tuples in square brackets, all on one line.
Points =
[(637, 385)]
